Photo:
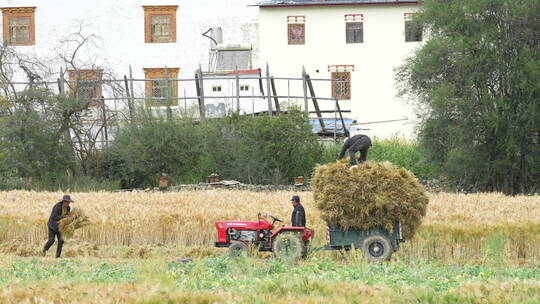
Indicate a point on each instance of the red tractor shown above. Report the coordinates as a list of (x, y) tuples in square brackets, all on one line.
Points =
[(243, 236)]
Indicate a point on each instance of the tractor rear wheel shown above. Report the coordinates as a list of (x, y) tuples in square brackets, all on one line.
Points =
[(288, 246), (238, 248), (377, 248)]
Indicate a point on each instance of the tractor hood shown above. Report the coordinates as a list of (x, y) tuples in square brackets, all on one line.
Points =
[(244, 225)]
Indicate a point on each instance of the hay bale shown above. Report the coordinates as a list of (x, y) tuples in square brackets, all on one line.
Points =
[(68, 224), (369, 195)]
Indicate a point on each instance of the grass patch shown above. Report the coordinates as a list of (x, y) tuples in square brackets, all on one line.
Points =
[(24, 271), (220, 279)]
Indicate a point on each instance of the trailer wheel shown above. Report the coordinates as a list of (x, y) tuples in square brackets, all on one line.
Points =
[(288, 246), (238, 248), (377, 248)]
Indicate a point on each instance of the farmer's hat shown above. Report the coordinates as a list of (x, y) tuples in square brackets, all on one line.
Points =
[(67, 198)]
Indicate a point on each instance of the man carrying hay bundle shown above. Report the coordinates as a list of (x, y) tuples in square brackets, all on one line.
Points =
[(358, 143), (60, 210)]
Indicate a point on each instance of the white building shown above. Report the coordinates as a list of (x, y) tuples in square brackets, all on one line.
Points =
[(359, 41), (239, 92), (147, 35)]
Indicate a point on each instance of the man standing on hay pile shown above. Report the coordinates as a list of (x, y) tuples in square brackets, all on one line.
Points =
[(298, 217), (59, 211), (358, 143)]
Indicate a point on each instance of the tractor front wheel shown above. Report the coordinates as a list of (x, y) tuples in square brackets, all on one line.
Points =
[(288, 246), (377, 248), (238, 248)]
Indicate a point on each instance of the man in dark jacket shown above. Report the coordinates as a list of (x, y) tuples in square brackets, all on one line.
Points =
[(298, 217), (358, 143), (59, 211)]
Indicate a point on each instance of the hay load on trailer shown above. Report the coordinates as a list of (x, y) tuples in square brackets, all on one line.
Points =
[(368, 196)]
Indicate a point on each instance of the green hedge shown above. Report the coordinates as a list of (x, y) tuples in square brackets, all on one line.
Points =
[(397, 150), (260, 150)]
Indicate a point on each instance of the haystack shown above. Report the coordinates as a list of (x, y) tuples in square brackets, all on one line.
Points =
[(370, 195), (68, 224)]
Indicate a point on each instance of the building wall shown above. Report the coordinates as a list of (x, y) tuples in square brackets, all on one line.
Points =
[(119, 28), (223, 102), (373, 86)]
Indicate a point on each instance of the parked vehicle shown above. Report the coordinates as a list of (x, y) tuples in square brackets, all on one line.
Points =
[(241, 237)]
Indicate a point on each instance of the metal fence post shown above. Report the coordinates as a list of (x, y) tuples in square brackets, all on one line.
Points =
[(168, 97), (269, 96), (335, 121), (288, 93), (131, 85), (304, 83), (105, 124), (61, 82), (130, 104), (237, 90), (201, 94)]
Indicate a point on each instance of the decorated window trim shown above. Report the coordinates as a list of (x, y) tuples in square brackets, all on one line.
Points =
[(354, 19), (153, 74), (157, 11), (296, 26), (9, 13), (341, 71), (76, 77)]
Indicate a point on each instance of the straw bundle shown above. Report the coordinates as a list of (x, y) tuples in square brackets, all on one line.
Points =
[(369, 195), (76, 220), (18, 247)]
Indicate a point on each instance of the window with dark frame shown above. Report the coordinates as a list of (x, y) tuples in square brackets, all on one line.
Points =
[(244, 87), (413, 31), (160, 24), (296, 30), (18, 25), (355, 32), (216, 89), (354, 28)]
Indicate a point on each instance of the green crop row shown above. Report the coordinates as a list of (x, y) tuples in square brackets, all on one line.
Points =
[(219, 279)]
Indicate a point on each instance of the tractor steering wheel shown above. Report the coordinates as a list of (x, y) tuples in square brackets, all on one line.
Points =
[(275, 219)]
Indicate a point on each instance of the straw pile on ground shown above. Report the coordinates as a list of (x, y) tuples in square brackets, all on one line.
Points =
[(372, 194), (19, 247), (76, 219)]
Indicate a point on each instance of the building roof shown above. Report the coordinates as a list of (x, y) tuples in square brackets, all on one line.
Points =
[(284, 3)]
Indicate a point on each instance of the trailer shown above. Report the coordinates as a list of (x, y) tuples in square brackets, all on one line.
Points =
[(376, 244)]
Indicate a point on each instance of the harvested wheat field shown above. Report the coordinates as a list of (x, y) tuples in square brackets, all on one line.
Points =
[(481, 248), (456, 226)]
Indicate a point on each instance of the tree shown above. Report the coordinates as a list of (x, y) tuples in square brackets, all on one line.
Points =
[(477, 90), (268, 150), (30, 148), (65, 130)]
